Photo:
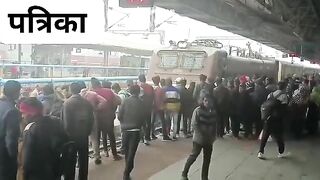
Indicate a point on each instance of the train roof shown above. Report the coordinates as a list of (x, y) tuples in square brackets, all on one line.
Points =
[(70, 66)]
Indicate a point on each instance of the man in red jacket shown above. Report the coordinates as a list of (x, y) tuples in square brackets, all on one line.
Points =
[(106, 116)]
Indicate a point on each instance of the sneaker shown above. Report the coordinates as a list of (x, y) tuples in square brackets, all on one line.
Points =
[(146, 142), (166, 139), (174, 138), (117, 158), (97, 161), (260, 155), (284, 155)]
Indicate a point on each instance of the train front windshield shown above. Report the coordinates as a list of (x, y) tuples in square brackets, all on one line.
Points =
[(182, 59)]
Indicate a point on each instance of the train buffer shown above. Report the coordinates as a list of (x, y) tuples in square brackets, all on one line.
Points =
[(232, 160)]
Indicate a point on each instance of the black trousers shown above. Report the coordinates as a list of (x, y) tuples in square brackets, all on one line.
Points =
[(130, 141), (276, 130), (8, 170), (222, 124), (147, 125), (235, 125), (80, 151), (184, 115), (108, 131), (207, 151), (160, 114)]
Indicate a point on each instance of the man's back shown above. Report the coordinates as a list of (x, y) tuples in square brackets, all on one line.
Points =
[(42, 146), (77, 117), (131, 113), (9, 134)]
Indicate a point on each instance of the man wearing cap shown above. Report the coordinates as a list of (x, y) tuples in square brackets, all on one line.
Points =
[(9, 130)]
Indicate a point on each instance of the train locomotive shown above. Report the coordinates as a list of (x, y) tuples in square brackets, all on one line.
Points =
[(203, 56)]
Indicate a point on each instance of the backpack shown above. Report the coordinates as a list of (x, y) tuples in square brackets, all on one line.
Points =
[(269, 107)]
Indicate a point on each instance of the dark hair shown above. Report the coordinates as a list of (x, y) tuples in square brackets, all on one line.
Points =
[(82, 84), (142, 78), (48, 89), (106, 84), (65, 87), (203, 77), (134, 90), (95, 82), (11, 88), (281, 85), (130, 82), (116, 86), (168, 82), (33, 101), (162, 82), (75, 88), (156, 80)]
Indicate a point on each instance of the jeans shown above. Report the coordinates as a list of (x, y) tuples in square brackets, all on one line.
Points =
[(160, 114), (172, 117), (130, 141), (185, 120), (223, 122), (82, 150), (276, 130), (207, 151), (147, 125)]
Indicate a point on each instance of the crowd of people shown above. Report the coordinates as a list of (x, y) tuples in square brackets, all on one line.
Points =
[(45, 134)]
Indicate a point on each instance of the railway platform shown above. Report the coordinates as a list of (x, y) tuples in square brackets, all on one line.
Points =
[(232, 160)]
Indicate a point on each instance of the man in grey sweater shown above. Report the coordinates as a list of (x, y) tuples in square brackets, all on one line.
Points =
[(204, 121), (131, 120)]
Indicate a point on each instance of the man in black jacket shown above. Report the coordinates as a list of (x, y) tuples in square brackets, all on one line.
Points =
[(131, 120), (43, 141), (78, 121), (9, 130)]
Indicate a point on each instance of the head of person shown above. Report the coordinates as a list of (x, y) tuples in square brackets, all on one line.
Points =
[(48, 90), (156, 80), (203, 78), (65, 91), (134, 90), (162, 82), (75, 88), (206, 101), (82, 84), (168, 82), (130, 83), (116, 87), (106, 84), (269, 80), (259, 83), (31, 109), (142, 78), (282, 85), (95, 83), (11, 89)]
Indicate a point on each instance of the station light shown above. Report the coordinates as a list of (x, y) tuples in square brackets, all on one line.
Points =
[(135, 3)]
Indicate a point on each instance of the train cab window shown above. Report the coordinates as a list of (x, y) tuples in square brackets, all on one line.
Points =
[(168, 60), (193, 60)]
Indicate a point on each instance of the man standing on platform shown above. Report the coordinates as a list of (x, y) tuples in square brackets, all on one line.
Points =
[(147, 99), (131, 120), (78, 121), (9, 130)]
